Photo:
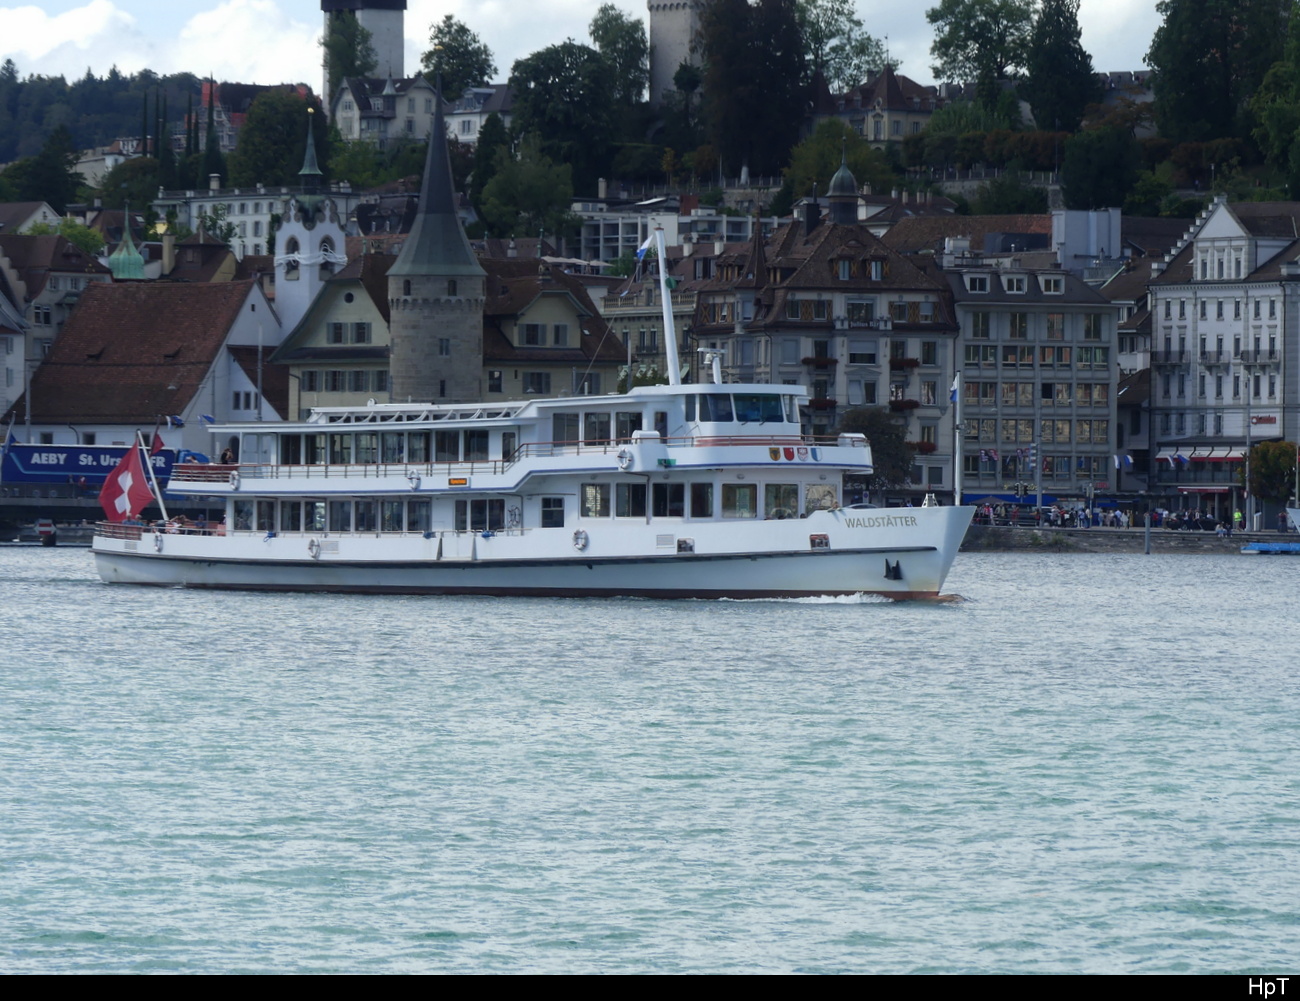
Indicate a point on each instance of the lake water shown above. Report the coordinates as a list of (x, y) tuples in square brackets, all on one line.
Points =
[(1090, 765)]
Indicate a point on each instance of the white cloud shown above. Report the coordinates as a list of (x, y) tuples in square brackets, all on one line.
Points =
[(250, 41), (40, 42)]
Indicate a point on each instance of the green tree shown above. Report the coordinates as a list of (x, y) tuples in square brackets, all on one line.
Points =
[(529, 194), (815, 160), (492, 138), (836, 45), (134, 181), (215, 223), (622, 42), (49, 176), (214, 161), (273, 140), (1061, 82), (348, 50), (459, 55), (1208, 58), (981, 40), (891, 458), (1008, 194), (565, 93), (1099, 169), (754, 95), (1272, 470), (80, 236)]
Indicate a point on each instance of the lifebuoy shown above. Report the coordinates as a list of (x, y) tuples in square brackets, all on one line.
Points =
[(157, 543), (624, 458), (313, 549), (413, 480), (234, 479), (580, 540)]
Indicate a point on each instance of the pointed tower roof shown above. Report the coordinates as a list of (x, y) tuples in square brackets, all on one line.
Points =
[(310, 175), (126, 262), (755, 273), (843, 183), (437, 244)]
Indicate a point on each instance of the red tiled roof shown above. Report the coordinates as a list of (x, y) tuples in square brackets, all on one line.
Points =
[(132, 351), (916, 233)]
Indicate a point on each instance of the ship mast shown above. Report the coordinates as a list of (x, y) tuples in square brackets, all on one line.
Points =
[(670, 334)]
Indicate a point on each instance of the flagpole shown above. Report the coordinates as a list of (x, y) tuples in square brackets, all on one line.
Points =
[(148, 464), (957, 457)]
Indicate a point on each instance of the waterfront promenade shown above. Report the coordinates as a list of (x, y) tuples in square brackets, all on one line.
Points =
[(1005, 539)]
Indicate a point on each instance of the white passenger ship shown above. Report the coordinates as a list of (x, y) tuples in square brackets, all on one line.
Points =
[(665, 491)]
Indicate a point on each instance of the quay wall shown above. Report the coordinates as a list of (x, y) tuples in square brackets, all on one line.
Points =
[(1004, 539)]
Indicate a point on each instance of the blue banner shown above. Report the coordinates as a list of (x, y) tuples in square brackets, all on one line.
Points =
[(71, 463)]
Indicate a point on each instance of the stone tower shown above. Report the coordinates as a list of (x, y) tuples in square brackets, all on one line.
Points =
[(436, 294), (673, 26), (384, 19)]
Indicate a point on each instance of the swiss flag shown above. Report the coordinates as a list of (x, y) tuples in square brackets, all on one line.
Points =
[(126, 490)]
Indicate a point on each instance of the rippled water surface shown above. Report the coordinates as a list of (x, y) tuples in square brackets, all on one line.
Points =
[(1090, 765)]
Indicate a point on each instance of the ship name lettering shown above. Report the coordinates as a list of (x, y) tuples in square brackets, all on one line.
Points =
[(883, 521), (48, 458)]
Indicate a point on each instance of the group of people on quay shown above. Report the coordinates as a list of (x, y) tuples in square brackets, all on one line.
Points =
[(1059, 516)]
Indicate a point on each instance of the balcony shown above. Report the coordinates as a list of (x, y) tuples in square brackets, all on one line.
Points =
[(898, 364), (900, 405), (1261, 357), (819, 362), (821, 403), (923, 447), (1216, 357), (1168, 357)]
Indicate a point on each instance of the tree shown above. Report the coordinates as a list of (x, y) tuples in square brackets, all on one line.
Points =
[(492, 138), (82, 237), (1008, 194), (348, 50), (1208, 58), (564, 93), (1061, 82), (815, 160), (273, 140), (458, 55), (836, 45), (891, 458), (980, 40), (754, 95), (621, 41), (215, 223), (529, 194), (1099, 169), (1272, 470), (134, 181), (49, 176)]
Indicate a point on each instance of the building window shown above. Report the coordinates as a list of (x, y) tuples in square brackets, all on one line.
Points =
[(381, 381), (977, 283), (494, 380), (1053, 286), (1092, 326), (1019, 326), (444, 347), (335, 333), (862, 311), (452, 286), (1015, 285), (533, 334), (537, 382), (560, 332), (358, 381), (361, 333)]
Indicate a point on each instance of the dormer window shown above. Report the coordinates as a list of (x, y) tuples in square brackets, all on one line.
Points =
[(977, 283), (1015, 285), (845, 268), (1053, 286)]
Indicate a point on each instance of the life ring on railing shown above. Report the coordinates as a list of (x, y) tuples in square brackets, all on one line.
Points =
[(313, 549), (157, 543), (624, 458), (414, 480), (580, 540), (234, 479)]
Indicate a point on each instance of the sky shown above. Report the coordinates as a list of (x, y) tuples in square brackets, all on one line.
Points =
[(275, 41)]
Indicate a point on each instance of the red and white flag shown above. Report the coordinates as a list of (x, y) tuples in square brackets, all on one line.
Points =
[(126, 490)]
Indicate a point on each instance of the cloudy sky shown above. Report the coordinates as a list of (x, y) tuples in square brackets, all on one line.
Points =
[(274, 41)]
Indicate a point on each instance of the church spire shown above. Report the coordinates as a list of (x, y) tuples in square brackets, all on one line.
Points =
[(437, 244), (310, 177)]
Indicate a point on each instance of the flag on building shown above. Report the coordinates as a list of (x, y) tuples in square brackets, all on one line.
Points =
[(126, 490)]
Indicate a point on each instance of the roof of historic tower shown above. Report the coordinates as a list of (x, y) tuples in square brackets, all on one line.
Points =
[(437, 244)]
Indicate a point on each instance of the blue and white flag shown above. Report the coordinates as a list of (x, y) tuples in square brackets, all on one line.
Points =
[(1116, 458), (1128, 462), (641, 251), (207, 419), (175, 422), (952, 393)]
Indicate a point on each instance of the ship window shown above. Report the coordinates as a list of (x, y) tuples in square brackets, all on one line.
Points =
[(509, 442), (552, 512), (390, 516), (446, 446), (564, 427), (669, 500), (340, 448), (365, 516), (701, 500), (626, 422), (367, 447), (595, 500), (417, 446), (486, 515), (715, 408), (739, 500), (340, 513), (291, 450), (781, 500), (314, 516), (760, 407), (476, 445), (391, 445), (266, 516), (290, 516), (629, 500), (595, 429), (418, 515), (819, 497), (316, 453), (244, 514)]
